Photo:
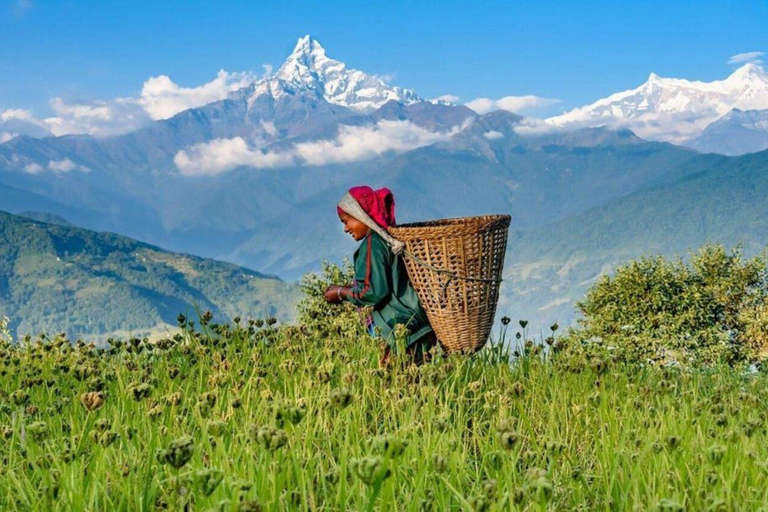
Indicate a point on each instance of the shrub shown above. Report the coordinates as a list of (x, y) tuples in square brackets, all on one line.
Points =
[(711, 309), (315, 314)]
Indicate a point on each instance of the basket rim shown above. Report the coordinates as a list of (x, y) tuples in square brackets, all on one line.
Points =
[(452, 221)]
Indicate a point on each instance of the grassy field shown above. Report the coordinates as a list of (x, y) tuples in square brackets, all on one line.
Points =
[(252, 416)]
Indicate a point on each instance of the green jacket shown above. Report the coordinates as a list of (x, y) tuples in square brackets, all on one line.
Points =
[(381, 281)]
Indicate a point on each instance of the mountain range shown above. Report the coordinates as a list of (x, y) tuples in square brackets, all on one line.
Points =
[(253, 179)]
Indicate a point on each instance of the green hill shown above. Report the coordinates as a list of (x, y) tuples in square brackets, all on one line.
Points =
[(551, 267), (58, 278)]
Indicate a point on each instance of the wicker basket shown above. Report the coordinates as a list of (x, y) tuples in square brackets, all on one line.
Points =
[(455, 266)]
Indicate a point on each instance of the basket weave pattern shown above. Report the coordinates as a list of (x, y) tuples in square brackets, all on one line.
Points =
[(460, 310)]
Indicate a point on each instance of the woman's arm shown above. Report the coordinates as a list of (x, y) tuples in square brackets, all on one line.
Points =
[(372, 280)]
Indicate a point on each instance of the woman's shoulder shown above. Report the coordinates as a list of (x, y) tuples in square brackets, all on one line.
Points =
[(373, 243)]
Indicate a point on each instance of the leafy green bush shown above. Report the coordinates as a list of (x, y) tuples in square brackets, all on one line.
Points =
[(315, 314), (711, 309)]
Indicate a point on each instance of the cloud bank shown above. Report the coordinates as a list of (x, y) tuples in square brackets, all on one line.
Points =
[(352, 144), (516, 104), (160, 98)]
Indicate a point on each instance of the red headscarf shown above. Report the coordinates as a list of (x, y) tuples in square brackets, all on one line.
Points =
[(379, 204)]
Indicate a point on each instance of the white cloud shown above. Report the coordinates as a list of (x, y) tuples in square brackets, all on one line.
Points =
[(16, 113), (63, 165), (221, 155), (98, 118), (6, 136), (531, 127), (353, 143), (33, 168), (493, 135), (448, 98), (743, 58), (516, 104), (161, 98)]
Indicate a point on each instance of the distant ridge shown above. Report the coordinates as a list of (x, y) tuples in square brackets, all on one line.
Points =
[(56, 278)]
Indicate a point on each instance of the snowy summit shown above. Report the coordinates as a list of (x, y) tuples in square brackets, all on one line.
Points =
[(674, 109), (309, 70)]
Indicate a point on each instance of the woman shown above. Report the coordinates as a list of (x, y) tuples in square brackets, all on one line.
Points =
[(381, 281)]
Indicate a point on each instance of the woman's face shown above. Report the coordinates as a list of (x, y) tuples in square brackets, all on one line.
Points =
[(354, 227)]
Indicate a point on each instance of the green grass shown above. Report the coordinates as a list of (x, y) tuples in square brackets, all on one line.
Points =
[(292, 418)]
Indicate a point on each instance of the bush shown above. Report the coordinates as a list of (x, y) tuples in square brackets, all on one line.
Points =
[(711, 309), (315, 314)]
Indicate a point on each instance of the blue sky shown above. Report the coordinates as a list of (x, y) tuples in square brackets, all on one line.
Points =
[(574, 51)]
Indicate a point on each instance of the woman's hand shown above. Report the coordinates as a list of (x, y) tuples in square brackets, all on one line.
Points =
[(334, 294)]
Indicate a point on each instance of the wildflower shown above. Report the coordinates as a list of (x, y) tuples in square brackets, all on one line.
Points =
[(292, 415), (341, 397), (249, 506), (716, 453), (541, 489), (673, 441), (442, 424), (390, 445), (173, 371), (670, 505), (554, 327), (208, 480), (217, 427), (505, 320), (508, 439), (271, 438), (174, 398), (478, 503), (38, 430), (19, 397), (371, 470), (92, 400), (518, 389), (140, 391), (178, 453), (523, 323), (439, 463), (155, 411)]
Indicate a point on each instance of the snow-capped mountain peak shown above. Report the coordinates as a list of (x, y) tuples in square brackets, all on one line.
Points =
[(674, 109), (309, 70)]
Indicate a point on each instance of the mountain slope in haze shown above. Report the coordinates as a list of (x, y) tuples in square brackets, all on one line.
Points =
[(549, 268), (56, 278), (736, 133)]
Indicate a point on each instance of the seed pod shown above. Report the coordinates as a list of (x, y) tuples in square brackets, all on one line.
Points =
[(92, 400), (179, 452), (341, 397)]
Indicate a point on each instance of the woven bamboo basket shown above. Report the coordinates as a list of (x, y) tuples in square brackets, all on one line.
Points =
[(455, 266)]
